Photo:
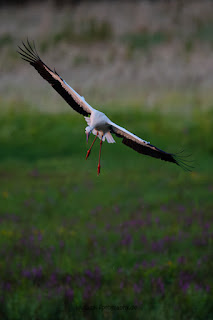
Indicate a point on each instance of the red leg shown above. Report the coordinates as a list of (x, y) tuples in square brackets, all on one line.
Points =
[(99, 165), (88, 152)]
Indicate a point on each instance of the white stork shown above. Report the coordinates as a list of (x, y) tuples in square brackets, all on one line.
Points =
[(98, 123)]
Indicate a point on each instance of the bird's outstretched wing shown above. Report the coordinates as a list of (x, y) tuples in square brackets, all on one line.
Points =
[(144, 147), (78, 103)]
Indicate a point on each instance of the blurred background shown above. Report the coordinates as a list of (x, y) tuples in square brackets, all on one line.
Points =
[(152, 51), (140, 235)]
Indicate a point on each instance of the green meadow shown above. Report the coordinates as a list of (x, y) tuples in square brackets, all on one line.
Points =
[(134, 241), (137, 240)]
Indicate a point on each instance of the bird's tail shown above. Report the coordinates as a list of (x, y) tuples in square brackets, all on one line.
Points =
[(109, 138), (87, 120)]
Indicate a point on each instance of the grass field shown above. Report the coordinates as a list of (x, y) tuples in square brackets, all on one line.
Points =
[(137, 241)]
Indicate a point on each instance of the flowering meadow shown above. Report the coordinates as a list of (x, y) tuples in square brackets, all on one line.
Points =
[(137, 241)]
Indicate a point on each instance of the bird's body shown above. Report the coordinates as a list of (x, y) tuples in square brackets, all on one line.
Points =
[(98, 123)]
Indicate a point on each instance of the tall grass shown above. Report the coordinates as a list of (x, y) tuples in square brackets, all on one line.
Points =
[(86, 32)]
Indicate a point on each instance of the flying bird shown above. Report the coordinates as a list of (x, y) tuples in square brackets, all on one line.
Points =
[(97, 122)]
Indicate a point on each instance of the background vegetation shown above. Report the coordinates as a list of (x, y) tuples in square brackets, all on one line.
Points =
[(137, 240)]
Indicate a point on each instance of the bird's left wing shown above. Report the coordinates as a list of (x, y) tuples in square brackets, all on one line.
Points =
[(144, 147), (78, 103)]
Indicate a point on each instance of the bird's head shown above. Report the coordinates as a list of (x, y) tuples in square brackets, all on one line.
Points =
[(88, 130)]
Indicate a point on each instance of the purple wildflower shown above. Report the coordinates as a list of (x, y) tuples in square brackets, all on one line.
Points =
[(158, 286), (69, 294), (126, 240), (137, 287), (34, 173), (181, 260)]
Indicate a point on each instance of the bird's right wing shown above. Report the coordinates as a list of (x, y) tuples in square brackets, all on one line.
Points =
[(144, 147), (78, 103)]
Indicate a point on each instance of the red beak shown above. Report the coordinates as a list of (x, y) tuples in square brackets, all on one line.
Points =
[(87, 134)]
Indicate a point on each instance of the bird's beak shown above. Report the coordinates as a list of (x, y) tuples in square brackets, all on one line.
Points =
[(87, 134)]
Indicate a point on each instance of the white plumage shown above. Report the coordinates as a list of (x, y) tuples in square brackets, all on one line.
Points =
[(98, 123)]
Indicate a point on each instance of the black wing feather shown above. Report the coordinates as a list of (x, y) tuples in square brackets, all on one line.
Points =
[(152, 151), (29, 54), (143, 147), (149, 150)]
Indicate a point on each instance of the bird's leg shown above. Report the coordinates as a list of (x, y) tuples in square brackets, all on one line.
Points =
[(88, 152), (99, 165)]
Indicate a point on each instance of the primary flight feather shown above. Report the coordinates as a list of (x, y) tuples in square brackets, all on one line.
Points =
[(98, 123)]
